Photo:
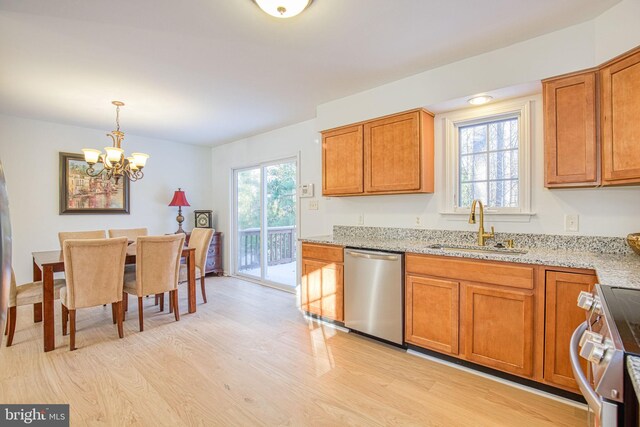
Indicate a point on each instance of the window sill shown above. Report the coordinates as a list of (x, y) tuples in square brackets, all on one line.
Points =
[(491, 216)]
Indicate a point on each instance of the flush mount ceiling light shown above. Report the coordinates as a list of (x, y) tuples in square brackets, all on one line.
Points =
[(283, 8), (479, 100)]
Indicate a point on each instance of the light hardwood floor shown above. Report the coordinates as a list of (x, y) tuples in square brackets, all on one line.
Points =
[(249, 357)]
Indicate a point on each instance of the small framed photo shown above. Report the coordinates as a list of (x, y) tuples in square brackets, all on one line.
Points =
[(83, 194)]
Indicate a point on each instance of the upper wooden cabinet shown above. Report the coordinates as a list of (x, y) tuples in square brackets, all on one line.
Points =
[(570, 141), (592, 135), (342, 164), (389, 155), (620, 103)]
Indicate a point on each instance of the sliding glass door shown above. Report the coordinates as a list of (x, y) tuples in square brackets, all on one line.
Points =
[(266, 222)]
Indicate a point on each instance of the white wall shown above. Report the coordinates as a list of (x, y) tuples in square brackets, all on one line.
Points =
[(29, 153), (604, 211)]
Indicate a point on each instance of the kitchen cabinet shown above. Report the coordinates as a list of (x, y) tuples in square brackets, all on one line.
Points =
[(388, 155), (499, 327), (570, 138), (562, 317), (487, 312), (592, 135), (398, 153), (342, 161), (322, 289), (620, 104), (432, 313)]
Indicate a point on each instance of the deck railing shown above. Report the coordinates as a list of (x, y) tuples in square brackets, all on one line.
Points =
[(281, 246)]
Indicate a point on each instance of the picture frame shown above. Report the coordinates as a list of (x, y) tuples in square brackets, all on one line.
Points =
[(81, 194)]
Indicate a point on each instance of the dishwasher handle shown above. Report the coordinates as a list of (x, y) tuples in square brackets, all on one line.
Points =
[(372, 256)]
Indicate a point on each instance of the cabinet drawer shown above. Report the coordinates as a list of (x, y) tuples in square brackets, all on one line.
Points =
[(323, 252), (495, 273)]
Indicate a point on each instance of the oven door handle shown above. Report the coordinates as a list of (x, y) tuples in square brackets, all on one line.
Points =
[(592, 398)]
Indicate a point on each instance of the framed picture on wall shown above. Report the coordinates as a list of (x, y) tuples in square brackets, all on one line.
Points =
[(83, 194)]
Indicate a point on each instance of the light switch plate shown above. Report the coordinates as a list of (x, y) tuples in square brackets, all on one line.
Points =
[(313, 205)]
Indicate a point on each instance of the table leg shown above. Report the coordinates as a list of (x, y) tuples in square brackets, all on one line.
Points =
[(47, 302), (191, 266), (37, 307)]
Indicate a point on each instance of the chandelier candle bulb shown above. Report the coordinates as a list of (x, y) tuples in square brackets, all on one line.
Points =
[(132, 164), (140, 159), (91, 156)]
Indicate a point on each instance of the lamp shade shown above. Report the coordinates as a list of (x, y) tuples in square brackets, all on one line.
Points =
[(179, 199)]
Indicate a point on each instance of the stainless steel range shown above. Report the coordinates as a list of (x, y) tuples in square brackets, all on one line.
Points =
[(610, 332)]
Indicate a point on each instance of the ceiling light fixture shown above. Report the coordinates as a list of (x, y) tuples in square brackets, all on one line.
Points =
[(479, 100), (283, 8), (115, 163)]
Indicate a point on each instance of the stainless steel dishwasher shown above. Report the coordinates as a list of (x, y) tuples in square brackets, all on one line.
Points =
[(373, 293)]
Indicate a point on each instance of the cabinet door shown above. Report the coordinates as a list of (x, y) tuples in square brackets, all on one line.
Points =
[(392, 153), (311, 290), (342, 164), (322, 288), (431, 313), (498, 328), (570, 144), (620, 125), (333, 292), (562, 317)]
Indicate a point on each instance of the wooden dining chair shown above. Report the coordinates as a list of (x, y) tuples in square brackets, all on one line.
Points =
[(94, 269), (64, 235), (157, 266), (130, 233), (200, 240), (26, 294)]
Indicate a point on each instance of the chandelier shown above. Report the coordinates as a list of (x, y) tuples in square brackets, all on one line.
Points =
[(115, 163)]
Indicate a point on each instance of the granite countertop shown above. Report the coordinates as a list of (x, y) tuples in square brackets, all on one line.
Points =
[(614, 269), (633, 366)]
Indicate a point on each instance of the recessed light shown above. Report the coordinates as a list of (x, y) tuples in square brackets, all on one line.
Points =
[(479, 100)]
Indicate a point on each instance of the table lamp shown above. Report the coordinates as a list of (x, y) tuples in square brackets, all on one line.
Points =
[(179, 200)]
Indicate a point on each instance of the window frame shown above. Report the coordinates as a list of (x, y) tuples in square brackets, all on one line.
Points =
[(521, 109)]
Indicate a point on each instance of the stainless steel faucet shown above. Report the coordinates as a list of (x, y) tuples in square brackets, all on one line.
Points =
[(482, 236)]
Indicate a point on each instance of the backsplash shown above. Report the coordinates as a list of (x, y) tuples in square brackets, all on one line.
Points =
[(599, 244)]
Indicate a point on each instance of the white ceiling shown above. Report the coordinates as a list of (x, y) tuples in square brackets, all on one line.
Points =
[(214, 71)]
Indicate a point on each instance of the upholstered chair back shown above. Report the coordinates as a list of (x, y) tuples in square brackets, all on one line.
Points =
[(64, 235), (200, 240), (94, 270), (157, 263), (12, 290), (129, 233)]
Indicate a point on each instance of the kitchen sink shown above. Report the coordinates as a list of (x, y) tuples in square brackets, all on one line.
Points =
[(479, 249)]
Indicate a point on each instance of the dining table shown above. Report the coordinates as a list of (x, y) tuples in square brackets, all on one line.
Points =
[(46, 263)]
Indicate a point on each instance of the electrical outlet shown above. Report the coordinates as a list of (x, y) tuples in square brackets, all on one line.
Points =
[(418, 222), (313, 205), (361, 219), (571, 222)]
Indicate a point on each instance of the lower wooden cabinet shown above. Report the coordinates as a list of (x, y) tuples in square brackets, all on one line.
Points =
[(562, 317), (432, 313), (322, 287), (499, 327), (487, 312)]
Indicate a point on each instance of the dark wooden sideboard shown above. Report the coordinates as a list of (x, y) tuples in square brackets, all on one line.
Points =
[(214, 256)]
